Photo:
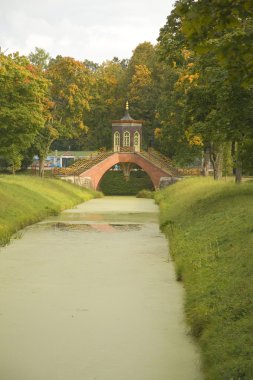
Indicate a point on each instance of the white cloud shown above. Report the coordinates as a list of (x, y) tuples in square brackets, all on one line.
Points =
[(35, 39), (95, 30)]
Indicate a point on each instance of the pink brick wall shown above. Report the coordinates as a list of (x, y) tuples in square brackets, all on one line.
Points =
[(96, 172)]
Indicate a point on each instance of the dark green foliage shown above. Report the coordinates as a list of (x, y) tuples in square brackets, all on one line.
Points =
[(207, 45), (114, 183)]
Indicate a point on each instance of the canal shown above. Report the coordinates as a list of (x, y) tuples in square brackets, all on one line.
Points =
[(91, 294)]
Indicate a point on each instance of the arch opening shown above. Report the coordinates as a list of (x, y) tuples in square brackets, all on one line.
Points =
[(115, 182)]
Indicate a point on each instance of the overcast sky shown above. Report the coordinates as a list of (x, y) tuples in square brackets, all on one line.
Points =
[(83, 29)]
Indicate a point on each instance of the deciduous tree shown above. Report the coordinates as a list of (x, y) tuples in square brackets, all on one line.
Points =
[(68, 103), (22, 94)]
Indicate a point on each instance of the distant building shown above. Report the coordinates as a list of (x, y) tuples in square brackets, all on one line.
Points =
[(61, 159)]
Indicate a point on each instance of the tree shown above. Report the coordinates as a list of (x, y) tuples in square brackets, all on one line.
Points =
[(143, 54), (107, 103), (216, 100), (67, 105), (143, 81), (39, 58), (224, 28), (179, 75), (22, 94)]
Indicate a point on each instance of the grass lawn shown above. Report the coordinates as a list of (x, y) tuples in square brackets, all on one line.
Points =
[(25, 200), (209, 225)]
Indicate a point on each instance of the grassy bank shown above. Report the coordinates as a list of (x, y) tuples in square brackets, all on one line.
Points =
[(210, 231), (25, 200)]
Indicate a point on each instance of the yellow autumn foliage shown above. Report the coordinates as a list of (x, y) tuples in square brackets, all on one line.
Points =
[(189, 77), (158, 133), (194, 139), (186, 54), (83, 127), (142, 76)]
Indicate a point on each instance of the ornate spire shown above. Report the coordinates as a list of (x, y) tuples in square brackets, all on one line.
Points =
[(127, 116)]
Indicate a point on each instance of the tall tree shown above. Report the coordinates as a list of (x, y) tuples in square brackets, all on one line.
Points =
[(22, 96), (225, 29), (179, 75), (107, 103), (217, 104), (143, 79), (68, 103)]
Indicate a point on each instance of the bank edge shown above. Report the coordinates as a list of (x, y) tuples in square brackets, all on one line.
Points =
[(209, 226)]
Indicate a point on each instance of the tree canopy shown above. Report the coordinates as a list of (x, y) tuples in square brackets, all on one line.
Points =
[(23, 91), (193, 90)]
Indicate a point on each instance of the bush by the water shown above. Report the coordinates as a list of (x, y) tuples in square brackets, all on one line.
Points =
[(210, 229), (114, 183), (25, 200), (145, 194)]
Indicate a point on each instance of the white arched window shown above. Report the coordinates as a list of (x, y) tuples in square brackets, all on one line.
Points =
[(116, 141), (136, 141), (126, 139)]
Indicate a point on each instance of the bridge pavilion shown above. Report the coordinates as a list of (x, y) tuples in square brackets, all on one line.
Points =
[(127, 133)]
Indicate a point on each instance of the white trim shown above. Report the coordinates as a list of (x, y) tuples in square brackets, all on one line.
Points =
[(126, 138), (116, 139), (137, 141)]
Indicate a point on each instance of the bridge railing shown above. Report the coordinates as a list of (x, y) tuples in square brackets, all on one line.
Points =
[(82, 165), (160, 161)]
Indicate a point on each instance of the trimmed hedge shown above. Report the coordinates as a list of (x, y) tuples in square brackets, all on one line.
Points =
[(114, 183)]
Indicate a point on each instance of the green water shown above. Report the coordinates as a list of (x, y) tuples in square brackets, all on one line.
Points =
[(91, 294)]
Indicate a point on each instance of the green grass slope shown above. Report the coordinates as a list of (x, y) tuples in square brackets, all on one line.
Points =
[(25, 200), (210, 229)]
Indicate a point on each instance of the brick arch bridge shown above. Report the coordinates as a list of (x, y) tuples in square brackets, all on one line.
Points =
[(96, 172)]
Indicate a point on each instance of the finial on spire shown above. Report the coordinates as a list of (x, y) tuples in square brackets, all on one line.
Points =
[(127, 116)]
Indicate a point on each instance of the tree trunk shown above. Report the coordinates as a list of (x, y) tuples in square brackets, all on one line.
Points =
[(216, 157), (238, 173), (217, 172), (238, 162), (205, 163), (41, 166), (126, 167), (233, 154), (43, 153)]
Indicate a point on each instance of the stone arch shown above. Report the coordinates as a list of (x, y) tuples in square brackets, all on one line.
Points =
[(96, 172)]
